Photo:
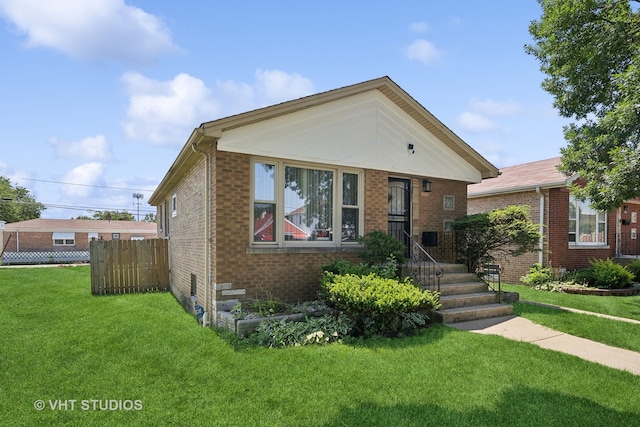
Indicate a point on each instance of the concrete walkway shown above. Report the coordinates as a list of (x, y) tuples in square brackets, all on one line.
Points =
[(521, 329)]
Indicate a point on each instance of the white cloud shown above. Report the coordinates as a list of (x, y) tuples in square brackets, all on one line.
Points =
[(492, 108), (274, 86), (475, 122), (482, 112), (86, 174), (90, 148), (419, 27), (422, 51), (165, 112), (95, 29)]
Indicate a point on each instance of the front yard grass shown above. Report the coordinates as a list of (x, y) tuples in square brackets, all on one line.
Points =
[(628, 307), (611, 332), (58, 342)]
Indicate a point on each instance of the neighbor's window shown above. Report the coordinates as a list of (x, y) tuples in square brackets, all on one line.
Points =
[(586, 225), (294, 204), (115, 236), (64, 239)]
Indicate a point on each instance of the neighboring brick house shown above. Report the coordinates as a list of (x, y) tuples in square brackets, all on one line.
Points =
[(67, 235), (573, 233), (256, 202)]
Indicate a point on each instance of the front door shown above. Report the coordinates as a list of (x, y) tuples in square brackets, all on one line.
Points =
[(399, 214)]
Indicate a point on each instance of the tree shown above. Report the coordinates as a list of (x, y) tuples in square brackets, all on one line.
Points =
[(110, 216), (483, 237), (16, 203), (590, 51), (150, 217)]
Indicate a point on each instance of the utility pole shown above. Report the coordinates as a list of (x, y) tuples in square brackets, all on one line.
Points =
[(138, 197)]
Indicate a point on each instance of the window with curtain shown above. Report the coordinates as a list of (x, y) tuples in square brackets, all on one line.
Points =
[(587, 226), (308, 204), (295, 204)]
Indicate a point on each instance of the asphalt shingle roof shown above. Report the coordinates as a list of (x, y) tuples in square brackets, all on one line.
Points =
[(524, 177)]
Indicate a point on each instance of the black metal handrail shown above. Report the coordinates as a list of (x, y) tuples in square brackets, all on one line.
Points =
[(422, 267), (490, 274)]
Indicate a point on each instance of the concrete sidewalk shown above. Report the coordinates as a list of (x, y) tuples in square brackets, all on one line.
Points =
[(521, 329)]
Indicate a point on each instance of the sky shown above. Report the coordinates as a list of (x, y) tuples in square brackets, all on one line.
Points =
[(98, 97)]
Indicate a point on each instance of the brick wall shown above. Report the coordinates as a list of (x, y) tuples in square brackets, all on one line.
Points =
[(516, 267), (186, 235)]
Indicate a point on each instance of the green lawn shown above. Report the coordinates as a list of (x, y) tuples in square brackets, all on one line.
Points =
[(58, 342), (628, 307), (607, 331)]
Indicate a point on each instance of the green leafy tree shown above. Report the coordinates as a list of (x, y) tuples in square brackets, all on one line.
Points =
[(110, 216), (590, 52), (16, 203), (484, 237), (150, 217)]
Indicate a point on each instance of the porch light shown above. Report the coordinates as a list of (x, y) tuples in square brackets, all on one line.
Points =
[(426, 186)]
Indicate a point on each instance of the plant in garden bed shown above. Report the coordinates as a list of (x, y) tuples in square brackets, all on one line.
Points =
[(379, 305), (313, 330), (604, 274)]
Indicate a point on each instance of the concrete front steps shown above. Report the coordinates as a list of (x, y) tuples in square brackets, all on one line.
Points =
[(464, 297)]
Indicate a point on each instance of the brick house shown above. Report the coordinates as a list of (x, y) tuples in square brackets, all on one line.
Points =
[(65, 235), (573, 233), (256, 202)]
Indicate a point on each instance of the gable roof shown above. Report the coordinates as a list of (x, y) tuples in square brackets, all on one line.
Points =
[(523, 177), (210, 132), (82, 226)]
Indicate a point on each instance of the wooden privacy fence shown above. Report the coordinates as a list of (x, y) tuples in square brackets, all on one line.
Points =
[(129, 266)]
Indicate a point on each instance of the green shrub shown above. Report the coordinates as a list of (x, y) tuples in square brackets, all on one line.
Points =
[(379, 305), (607, 274), (582, 277), (266, 308), (389, 269), (634, 268), (342, 267), (313, 330), (380, 246), (537, 275)]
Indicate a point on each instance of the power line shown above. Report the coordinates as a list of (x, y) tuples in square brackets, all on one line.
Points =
[(69, 207), (86, 185)]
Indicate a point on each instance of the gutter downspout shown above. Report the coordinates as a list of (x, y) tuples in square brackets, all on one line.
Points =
[(207, 230), (207, 219), (541, 227)]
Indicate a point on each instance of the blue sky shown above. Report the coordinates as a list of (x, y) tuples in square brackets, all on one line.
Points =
[(104, 93)]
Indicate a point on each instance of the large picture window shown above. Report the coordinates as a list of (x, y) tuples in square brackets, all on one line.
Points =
[(295, 204), (586, 225)]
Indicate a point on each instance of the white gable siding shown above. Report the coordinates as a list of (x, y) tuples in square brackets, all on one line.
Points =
[(364, 131)]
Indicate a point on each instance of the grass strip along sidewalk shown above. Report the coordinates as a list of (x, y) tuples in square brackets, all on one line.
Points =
[(66, 355)]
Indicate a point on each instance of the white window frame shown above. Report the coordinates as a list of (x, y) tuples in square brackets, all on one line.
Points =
[(601, 218), (63, 238), (279, 238)]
